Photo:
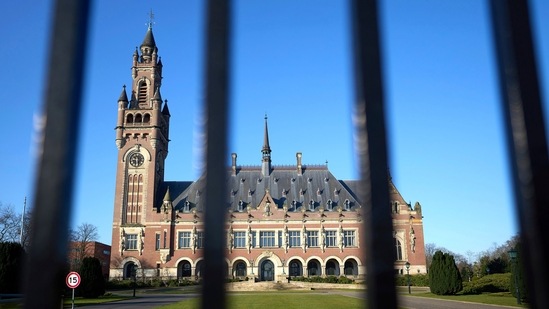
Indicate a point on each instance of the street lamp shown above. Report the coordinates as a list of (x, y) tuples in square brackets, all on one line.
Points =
[(408, 273), (134, 275), (513, 256)]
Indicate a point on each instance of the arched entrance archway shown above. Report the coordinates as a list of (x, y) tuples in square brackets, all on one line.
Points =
[(351, 267), (198, 269), (183, 269), (267, 271), (295, 268), (313, 268), (332, 268), (129, 270), (239, 269)]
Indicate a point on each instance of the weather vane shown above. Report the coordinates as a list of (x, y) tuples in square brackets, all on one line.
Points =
[(151, 19)]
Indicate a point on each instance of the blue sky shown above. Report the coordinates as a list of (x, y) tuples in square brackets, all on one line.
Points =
[(291, 60)]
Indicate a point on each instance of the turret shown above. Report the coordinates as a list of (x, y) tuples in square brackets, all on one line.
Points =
[(122, 104), (266, 152)]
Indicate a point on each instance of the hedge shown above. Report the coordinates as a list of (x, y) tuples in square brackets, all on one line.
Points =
[(488, 284)]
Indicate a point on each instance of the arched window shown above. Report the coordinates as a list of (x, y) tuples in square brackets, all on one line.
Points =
[(329, 204), (351, 267), (130, 270), (313, 268), (295, 268), (138, 118), (183, 269), (398, 248), (332, 268), (147, 118), (198, 269), (129, 119), (240, 269)]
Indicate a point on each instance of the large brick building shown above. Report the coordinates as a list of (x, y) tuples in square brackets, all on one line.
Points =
[(297, 220)]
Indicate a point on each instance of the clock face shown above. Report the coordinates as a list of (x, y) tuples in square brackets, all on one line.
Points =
[(136, 159)]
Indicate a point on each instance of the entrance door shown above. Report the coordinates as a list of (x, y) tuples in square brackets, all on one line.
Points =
[(267, 271)]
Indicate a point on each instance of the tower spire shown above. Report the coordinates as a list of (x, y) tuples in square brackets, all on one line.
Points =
[(266, 152)]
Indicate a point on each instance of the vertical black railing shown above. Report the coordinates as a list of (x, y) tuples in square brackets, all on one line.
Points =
[(55, 174), (216, 88), (526, 138), (369, 121)]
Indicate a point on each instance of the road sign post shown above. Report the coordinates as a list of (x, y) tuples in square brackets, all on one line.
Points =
[(73, 281)]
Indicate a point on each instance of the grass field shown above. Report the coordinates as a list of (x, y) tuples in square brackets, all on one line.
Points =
[(504, 299), (282, 300)]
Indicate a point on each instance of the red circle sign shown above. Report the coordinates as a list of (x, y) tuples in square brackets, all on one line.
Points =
[(73, 280)]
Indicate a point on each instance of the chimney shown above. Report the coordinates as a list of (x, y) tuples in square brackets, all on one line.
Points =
[(299, 169), (233, 155)]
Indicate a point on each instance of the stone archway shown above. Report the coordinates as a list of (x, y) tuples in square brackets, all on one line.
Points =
[(332, 268), (267, 271), (313, 268), (129, 270), (183, 269), (295, 268)]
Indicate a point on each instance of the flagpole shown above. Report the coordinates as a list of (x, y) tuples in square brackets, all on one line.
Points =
[(23, 221)]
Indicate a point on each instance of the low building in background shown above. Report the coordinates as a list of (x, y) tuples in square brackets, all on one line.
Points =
[(79, 250)]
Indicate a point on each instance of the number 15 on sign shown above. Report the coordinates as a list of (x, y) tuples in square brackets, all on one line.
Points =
[(73, 281)]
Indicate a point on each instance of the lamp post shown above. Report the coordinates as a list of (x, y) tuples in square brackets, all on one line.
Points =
[(134, 275), (513, 256), (408, 274)]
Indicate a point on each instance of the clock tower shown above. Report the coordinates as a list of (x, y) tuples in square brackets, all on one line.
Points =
[(142, 130)]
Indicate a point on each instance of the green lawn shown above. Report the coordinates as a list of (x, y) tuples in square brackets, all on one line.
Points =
[(504, 299), (282, 300)]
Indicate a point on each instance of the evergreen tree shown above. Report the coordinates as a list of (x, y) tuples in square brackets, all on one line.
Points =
[(93, 283), (12, 257), (444, 276)]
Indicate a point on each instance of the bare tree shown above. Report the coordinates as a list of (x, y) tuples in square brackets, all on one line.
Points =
[(80, 245), (10, 225)]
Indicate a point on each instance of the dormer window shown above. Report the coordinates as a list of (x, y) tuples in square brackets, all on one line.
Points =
[(294, 205), (347, 204), (329, 205), (240, 205), (186, 206), (311, 205)]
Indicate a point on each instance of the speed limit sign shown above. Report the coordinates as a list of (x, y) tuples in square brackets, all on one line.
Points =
[(73, 280)]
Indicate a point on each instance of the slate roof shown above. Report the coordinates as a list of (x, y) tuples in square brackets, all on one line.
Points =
[(315, 187)]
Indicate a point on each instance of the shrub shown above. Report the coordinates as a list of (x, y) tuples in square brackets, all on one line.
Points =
[(415, 280), (488, 284), (93, 284), (444, 276)]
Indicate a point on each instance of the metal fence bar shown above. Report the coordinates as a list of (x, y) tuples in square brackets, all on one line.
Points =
[(217, 106), (55, 175), (526, 138), (372, 152)]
